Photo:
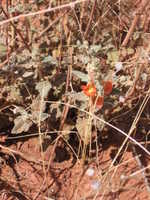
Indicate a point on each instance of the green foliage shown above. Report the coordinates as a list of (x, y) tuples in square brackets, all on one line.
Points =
[(49, 59), (84, 77), (18, 8), (43, 87)]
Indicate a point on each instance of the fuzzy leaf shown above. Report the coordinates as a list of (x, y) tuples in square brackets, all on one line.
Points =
[(27, 74), (50, 59), (55, 111), (77, 96), (21, 124), (14, 93), (43, 88), (113, 57), (84, 77), (95, 48), (84, 59), (37, 108), (36, 116)]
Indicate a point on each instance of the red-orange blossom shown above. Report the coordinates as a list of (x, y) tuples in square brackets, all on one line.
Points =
[(91, 91)]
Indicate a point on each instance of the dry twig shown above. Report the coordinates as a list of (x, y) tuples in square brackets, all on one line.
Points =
[(19, 33), (90, 20), (139, 162), (72, 4), (135, 21)]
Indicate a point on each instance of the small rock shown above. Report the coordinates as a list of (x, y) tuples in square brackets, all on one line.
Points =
[(118, 66), (90, 172), (95, 185)]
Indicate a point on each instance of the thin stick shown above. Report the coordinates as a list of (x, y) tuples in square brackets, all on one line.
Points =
[(108, 124), (139, 162), (19, 33), (51, 24), (134, 22), (133, 128), (90, 20), (72, 4), (66, 108)]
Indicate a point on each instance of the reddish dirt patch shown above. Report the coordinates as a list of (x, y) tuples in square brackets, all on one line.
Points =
[(28, 177)]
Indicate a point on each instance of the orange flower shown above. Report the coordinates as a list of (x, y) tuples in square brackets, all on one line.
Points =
[(107, 85), (100, 102), (89, 89)]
